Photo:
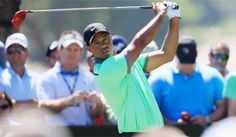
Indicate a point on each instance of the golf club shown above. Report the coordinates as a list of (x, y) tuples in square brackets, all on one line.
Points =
[(20, 15)]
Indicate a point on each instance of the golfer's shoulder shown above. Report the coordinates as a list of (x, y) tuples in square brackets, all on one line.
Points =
[(115, 61)]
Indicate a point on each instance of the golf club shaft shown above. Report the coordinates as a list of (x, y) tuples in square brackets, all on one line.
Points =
[(92, 8)]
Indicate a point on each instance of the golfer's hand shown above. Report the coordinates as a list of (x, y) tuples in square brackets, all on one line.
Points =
[(173, 9), (159, 8)]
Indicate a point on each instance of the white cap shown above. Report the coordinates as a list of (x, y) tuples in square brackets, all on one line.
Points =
[(16, 38), (53, 45), (68, 39)]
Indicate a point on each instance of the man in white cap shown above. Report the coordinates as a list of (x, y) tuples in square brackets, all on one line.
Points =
[(16, 80), (66, 89)]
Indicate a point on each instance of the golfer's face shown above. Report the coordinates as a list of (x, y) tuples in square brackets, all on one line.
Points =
[(101, 45)]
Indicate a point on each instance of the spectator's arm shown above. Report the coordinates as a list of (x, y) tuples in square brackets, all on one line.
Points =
[(32, 103), (231, 110), (219, 112), (57, 105)]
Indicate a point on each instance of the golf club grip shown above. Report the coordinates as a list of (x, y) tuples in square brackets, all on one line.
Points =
[(145, 7)]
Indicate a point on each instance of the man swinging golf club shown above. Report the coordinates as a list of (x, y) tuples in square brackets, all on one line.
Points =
[(121, 77)]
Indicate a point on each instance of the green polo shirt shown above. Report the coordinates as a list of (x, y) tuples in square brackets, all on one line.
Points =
[(128, 93), (230, 86)]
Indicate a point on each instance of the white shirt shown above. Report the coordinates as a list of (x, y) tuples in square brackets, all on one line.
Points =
[(53, 86)]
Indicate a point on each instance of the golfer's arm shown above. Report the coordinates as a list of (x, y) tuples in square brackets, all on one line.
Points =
[(168, 50), (143, 38)]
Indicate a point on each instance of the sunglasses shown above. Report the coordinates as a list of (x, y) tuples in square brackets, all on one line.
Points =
[(4, 106), (15, 50), (220, 56)]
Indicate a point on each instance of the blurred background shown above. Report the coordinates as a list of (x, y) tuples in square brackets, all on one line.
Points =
[(208, 21)]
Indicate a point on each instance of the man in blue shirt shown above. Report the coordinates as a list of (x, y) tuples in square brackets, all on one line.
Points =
[(16, 80), (188, 86), (68, 90)]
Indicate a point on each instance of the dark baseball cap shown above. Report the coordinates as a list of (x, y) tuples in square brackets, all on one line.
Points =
[(91, 30), (119, 43), (187, 51)]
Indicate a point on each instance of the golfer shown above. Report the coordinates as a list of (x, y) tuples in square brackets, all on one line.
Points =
[(121, 77)]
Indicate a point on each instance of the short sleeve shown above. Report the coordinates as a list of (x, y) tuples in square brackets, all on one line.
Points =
[(142, 60), (113, 69), (45, 89), (230, 87)]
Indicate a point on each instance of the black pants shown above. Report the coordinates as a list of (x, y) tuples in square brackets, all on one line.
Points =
[(128, 134)]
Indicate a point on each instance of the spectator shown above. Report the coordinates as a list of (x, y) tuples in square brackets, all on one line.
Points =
[(52, 53), (121, 77), (187, 86), (218, 57), (17, 80), (230, 93), (119, 43), (152, 46), (90, 61), (66, 89)]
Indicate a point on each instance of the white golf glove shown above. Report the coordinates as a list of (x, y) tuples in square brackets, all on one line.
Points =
[(173, 10)]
